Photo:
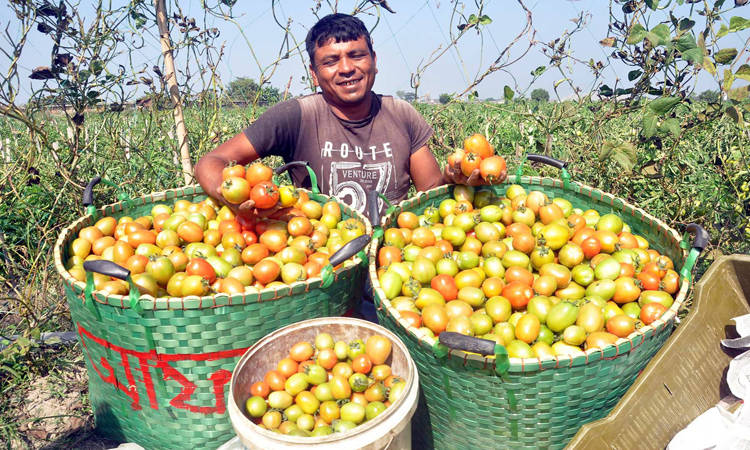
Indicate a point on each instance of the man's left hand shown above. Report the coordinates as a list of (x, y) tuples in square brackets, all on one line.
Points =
[(454, 175)]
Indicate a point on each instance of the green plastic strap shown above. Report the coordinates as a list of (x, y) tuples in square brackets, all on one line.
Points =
[(390, 208), (377, 233), (326, 273), (91, 210), (502, 361), (565, 179), (134, 296), (313, 183), (449, 394), (513, 405), (519, 171), (439, 349), (88, 295), (687, 269)]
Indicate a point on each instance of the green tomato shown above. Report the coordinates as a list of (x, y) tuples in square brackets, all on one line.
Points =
[(256, 406), (656, 296), (324, 340), (546, 335), (342, 426), (358, 382), (396, 391), (280, 400), (540, 306), (491, 213), (293, 413), (296, 384), (610, 222), (604, 289), (353, 412), (391, 284), (467, 260), (583, 274), (446, 266), (315, 374), (322, 431), (374, 409), (631, 309), (341, 349), (355, 348), (498, 308), (519, 349), (424, 271), (561, 316), (323, 392)]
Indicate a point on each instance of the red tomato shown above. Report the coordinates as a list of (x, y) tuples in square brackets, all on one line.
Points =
[(201, 267), (652, 311), (265, 194), (361, 364), (446, 286), (257, 173), (518, 294)]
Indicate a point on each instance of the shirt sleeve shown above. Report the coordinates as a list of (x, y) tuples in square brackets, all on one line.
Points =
[(419, 130), (275, 132)]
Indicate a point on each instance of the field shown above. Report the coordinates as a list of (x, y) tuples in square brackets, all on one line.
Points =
[(699, 175)]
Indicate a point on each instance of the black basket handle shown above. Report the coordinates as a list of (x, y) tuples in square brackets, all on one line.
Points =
[(88, 193), (109, 269), (700, 241), (349, 249), (372, 200), (550, 161), (458, 341)]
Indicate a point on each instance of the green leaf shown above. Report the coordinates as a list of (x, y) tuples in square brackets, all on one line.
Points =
[(739, 94), (743, 72), (653, 4), (84, 75), (662, 30), (723, 31), (97, 67), (734, 114), (685, 42), (634, 74), (725, 55), (648, 124), (473, 18), (538, 71), (653, 38), (624, 161), (605, 91), (508, 93), (606, 150), (685, 25), (485, 20), (671, 125), (728, 80), (663, 105), (737, 23), (695, 55), (637, 34)]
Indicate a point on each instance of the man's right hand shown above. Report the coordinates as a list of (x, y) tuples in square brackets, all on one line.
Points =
[(248, 208)]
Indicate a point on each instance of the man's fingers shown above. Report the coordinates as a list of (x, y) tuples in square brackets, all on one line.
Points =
[(474, 178), (247, 207)]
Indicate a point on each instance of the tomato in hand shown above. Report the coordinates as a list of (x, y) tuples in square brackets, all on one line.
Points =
[(479, 145), (257, 173), (265, 195)]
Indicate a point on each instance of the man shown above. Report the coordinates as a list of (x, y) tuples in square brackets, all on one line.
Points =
[(355, 140)]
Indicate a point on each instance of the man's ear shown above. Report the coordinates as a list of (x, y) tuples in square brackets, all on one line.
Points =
[(375, 61), (314, 75)]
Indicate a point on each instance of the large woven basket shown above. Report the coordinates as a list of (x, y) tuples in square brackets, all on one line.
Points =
[(470, 401), (159, 377)]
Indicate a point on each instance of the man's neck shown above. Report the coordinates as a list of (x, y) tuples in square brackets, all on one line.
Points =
[(355, 112)]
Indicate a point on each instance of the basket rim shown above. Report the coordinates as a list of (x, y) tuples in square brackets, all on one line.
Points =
[(192, 302), (609, 351)]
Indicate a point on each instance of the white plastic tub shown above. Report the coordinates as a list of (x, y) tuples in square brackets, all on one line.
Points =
[(390, 430)]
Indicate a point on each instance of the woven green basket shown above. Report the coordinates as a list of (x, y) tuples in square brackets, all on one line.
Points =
[(474, 402), (159, 377)]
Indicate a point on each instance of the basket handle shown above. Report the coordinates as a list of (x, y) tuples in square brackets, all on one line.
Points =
[(550, 161), (110, 269), (313, 178), (88, 195), (348, 250), (458, 341), (699, 243)]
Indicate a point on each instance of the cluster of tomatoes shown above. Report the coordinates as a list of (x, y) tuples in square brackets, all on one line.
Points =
[(254, 183), (528, 272), (479, 154), (203, 247), (329, 387)]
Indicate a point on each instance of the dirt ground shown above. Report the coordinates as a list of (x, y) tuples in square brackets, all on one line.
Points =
[(53, 414)]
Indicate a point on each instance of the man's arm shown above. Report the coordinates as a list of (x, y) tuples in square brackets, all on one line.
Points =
[(424, 170), (209, 167)]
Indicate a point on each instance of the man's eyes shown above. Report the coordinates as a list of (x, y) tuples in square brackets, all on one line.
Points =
[(333, 62)]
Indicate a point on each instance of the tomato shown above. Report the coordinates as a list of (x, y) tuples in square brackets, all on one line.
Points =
[(621, 325), (391, 283), (514, 258), (257, 173), (458, 308), (435, 318), (353, 412), (469, 163), (608, 239), (554, 236), (498, 308), (423, 270), (377, 349), (455, 157), (492, 168), (521, 274), (287, 367), (161, 268), (562, 348), (625, 290), (604, 289), (540, 307), (266, 271), (560, 273), (610, 222), (362, 363), (329, 411), (296, 383), (396, 391), (518, 294), (671, 282), (492, 287), (527, 328), (590, 318), (340, 387), (265, 194), (661, 297), (545, 285), (407, 219), (479, 145), (301, 351), (600, 339), (608, 269), (574, 335), (561, 316), (256, 406), (280, 399), (235, 190), (472, 296), (274, 240), (652, 311), (519, 349), (201, 267)]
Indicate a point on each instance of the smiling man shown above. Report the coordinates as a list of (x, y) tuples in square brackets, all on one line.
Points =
[(355, 140)]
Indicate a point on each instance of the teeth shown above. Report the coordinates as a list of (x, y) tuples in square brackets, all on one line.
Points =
[(348, 83)]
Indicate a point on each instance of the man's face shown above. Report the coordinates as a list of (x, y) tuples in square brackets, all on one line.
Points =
[(344, 71)]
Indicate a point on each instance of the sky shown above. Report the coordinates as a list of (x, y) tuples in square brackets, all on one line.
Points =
[(402, 41)]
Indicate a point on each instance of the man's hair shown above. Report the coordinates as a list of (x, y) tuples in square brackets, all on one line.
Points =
[(336, 27)]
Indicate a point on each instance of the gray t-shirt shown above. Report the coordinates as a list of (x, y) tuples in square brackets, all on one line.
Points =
[(349, 158)]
